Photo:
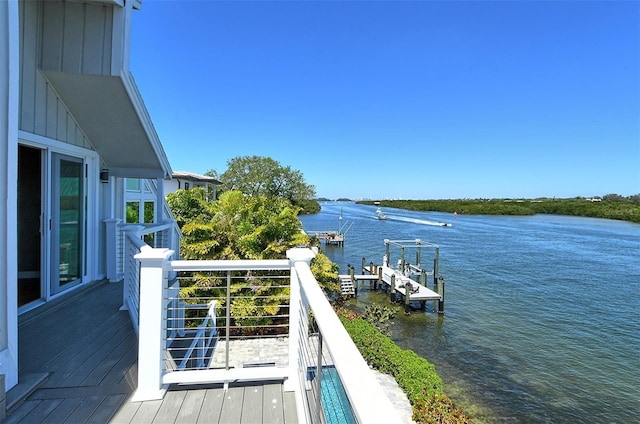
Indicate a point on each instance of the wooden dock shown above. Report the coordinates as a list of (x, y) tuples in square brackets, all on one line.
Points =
[(329, 237), (418, 292), (393, 280), (407, 282)]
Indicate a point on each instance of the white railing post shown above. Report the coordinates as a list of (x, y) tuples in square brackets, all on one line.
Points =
[(112, 249), (153, 280), (130, 278), (293, 382)]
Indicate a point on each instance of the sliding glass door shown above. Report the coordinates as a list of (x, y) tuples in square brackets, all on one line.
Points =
[(67, 222)]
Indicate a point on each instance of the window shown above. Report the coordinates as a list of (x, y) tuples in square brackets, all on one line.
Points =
[(133, 212), (133, 184), (149, 212)]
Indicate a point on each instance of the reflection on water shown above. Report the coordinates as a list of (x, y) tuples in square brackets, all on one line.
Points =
[(542, 316)]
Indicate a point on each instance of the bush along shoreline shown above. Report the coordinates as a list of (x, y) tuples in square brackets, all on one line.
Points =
[(415, 375)]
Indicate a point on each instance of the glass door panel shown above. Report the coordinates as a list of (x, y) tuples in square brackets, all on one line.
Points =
[(67, 223)]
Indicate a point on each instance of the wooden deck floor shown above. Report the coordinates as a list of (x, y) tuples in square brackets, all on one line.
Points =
[(87, 350)]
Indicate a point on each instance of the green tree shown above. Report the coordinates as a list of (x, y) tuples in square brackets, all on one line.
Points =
[(188, 205), (263, 176), (237, 226), (326, 274), (212, 173)]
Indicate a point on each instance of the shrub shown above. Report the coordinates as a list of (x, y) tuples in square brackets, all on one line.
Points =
[(415, 375)]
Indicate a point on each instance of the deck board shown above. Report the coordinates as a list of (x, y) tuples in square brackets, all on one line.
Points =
[(289, 403), (24, 410), (191, 407), (232, 406), (252, 405), (147, 412), (170, 407), (272, 408), (89, 348), (84, 409), (122, 367), (106, 361), (63, 409), (211, 407), (73, 370), (41, 411), (103, 413), (126, 412), (77, 322)]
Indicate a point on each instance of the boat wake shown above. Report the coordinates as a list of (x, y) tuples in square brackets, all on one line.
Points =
[(418, 221)]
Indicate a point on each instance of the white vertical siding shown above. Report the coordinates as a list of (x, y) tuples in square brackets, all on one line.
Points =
[(42, 32), (28, 42), (77, 37)]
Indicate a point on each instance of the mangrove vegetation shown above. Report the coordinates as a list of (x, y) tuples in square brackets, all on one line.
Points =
[(611, 206)]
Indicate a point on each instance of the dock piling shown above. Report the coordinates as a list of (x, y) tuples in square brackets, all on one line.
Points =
[(407, 298), (392, 289), (441, 293), (353, 281), (436, 259)]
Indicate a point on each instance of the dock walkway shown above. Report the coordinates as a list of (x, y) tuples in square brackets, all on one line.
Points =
[(418, 292)]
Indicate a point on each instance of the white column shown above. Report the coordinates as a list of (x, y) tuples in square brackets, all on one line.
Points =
[(153, 280), (112, 249), (9, 106), (160, 200)]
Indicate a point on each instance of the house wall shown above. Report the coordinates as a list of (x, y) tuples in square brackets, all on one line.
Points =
[(9, 70), (42, 112), (170, 186), (173, 185), (73, 37), (77, 37)]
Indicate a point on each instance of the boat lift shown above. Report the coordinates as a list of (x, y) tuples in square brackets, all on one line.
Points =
[(406, 280)]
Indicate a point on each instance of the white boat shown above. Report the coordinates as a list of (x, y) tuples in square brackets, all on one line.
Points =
[(380, 215)]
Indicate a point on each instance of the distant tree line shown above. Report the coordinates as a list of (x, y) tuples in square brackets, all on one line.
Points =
[(610, 206)]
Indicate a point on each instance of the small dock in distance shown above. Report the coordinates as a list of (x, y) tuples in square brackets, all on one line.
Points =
[(334, 238)]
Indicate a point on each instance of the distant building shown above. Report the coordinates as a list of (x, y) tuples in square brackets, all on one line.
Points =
[(186, 180)]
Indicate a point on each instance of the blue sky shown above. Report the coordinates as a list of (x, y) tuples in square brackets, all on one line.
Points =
[(400, 99)]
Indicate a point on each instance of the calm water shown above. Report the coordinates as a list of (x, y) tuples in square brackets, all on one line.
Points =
[(542, 320)]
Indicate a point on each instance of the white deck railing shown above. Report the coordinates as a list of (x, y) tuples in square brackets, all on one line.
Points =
[(132, 238), (316, 345)]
